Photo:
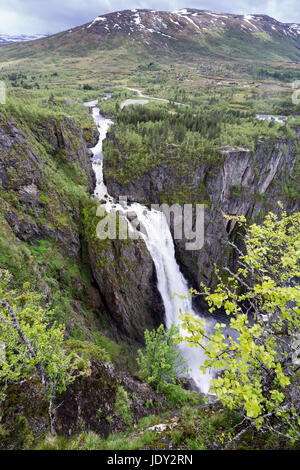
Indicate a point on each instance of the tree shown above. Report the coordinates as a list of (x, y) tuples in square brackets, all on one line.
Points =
[(33, 343), (162, 361), (257, 372)]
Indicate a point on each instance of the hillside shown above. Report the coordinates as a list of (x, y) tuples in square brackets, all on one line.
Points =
[(188, 34)]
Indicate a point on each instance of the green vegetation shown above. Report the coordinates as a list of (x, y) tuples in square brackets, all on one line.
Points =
[(291, 186), (86, 350), (236, 190), (33, 343), (257, 371), (92, 441), (44, 237), (179, 397), (156, 135), (122, 406), (191, 429), (281, 74), (161, 361)]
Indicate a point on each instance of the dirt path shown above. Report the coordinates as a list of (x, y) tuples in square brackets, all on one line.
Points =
[(144, 99)]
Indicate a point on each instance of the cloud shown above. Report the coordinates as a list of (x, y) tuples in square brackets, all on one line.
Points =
[(42, 16)]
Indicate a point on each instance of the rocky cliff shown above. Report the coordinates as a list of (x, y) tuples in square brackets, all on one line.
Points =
[(104, 292), (243, 183), (46, 177), (30, 165), (104, 400), (127, 284)]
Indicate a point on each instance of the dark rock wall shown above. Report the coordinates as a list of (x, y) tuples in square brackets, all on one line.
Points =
[(246, 183)]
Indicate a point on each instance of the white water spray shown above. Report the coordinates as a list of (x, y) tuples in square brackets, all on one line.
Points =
[(171, 283)]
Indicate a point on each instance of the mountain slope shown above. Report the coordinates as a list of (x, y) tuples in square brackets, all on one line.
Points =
[(186, 33), (148, 22)]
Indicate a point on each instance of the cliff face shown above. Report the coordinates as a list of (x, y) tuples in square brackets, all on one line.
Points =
[(45, 178), (245, 183), (99, 291), (91, 402), (127, 284), (105, 400), (31, 163)]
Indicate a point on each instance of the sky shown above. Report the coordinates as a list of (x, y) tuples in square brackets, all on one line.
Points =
[(51, 16)]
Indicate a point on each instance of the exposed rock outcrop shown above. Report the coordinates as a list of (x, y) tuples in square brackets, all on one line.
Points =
[(126, 279), (32, 202), (96, 401), (245, 183), (90, 403)]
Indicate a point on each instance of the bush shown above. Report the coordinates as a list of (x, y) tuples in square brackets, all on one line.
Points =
[(176, 395), (86, 350), (161, 362), (258, 365), (122, 406)]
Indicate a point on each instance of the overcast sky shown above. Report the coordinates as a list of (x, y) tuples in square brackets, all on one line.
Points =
[(50, 16)]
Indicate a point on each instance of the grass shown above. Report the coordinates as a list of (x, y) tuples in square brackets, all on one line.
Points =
[(87, 350), (120, 353), (92, 441), (209, 429), (179, 397)]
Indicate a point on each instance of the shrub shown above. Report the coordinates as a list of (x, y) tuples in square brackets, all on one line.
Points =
[(257, 368), (161, 361), (122, 405)]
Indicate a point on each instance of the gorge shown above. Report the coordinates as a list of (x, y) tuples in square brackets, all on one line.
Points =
[(171, 283)]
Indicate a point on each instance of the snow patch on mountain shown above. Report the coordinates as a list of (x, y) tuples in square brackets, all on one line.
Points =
[(184, 11), (248, 19), (192, 22), (144, 22), (295, 28), (96, 20)]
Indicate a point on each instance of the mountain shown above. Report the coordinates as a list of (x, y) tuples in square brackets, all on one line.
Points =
[(146, 23), (8, 39), (203, 31), (188, 33)]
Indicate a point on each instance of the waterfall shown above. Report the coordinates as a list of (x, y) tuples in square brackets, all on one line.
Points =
[(170, 281)]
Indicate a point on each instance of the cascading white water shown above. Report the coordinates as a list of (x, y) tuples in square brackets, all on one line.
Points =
[(171, 283), (103, 125)]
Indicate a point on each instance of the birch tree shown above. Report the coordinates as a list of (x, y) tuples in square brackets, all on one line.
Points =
[(33, 344), (257, 371)]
